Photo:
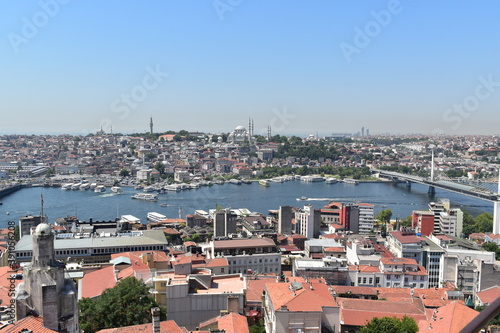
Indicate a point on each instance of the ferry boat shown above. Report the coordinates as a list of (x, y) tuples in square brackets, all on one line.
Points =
[(264, 182), (155, 217), (145, 196), (351, 181), (75, 187), (331, 180), (173, 188), (84, 186), (116, 189), (99, 189), (246, 181), (235, 181)]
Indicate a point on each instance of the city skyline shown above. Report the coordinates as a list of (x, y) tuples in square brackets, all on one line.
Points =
[(388, 66)]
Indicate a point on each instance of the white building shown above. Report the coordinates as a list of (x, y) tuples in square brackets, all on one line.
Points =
[(308, 221), (181, 175), (239, 135), (451, 222), (366, 215)]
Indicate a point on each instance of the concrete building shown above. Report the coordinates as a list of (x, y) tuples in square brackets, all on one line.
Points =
[(181, 175), (95, 248), (441, 205), (45, 292), (285, 217), (26, 223), (451, 222), (422, 221), (308, 221), (194, 298), (333, 270), (366, 215), (256, 255), (405, 244), (224, 223)]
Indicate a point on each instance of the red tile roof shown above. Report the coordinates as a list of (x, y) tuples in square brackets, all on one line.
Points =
[(487, 296), (357, 312), (168, 326), (32, 323), (449, 318), (94, 283), (233, 323)]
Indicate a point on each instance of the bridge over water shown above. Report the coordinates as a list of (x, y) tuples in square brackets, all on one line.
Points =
[(489, 191)]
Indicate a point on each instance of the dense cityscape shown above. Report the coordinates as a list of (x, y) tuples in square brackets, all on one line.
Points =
[(232, 166), (332, 269)]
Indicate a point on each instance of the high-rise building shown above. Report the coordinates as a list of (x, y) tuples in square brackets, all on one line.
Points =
[(224, 223), (362, 131), (308, 221), (285, 220), (45, 292)]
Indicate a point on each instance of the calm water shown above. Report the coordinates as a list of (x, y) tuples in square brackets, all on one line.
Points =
[(106, 206)]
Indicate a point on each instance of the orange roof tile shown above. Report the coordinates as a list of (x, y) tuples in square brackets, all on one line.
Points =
[(168, 326), (32, 323), (487, 296), (94, 283), (233, 323), (449, 318)]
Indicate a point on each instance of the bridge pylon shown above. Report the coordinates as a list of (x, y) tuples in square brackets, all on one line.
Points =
[(496, 211), (431, 190)]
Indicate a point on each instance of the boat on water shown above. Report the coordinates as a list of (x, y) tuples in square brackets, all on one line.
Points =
[(84, 186), (66, 186), (164, 205), (145, 196), (264, 182), (116, 189), (246, 181), (93, 186), (302, 198), (235, 181), (148, 189), (331, 180), (351, 181), (75, 187), (155, 217), (99, 189), (173, 188), (194, 186)]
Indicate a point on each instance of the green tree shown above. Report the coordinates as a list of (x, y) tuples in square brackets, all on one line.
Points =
[(160, 167), (124, 173), (406, 222), (128, 303), (384, 215), (492, 247), (484, 222), (390, 325)]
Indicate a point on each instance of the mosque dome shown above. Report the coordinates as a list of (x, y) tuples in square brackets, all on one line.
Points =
[(240, 128), (43, 229)]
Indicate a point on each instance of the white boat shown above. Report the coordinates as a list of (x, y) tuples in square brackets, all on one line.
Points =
[(172, 188), (235, 181), (93, 186), (66, 186), (302, 198), (331, 180), (75, 187), (84, 186), (155, 217), (145, 196), (148, 189), (264, 182), (116, 189), (351, 181), (311, 179), (99, 189), (194, 185)]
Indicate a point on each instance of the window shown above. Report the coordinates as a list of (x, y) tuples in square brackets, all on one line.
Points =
[(370, 280), (364, 280), (359, 280), (222, 270), (377, 280)]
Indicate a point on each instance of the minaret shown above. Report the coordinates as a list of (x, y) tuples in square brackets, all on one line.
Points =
[(151, 125), (268, 133), (44, 291)]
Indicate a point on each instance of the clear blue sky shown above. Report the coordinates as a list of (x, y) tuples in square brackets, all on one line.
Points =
[(69, 69)]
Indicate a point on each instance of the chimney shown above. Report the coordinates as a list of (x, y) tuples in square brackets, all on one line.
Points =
[(155, 312)]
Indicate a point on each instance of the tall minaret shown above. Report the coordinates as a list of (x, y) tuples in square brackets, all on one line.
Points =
[(268, 133), (151, 125), (44, 291)]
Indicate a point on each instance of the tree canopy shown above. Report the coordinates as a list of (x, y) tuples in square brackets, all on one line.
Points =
[(390, 325), (128, 303), (384, 215)]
